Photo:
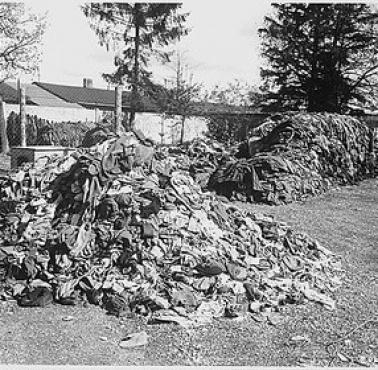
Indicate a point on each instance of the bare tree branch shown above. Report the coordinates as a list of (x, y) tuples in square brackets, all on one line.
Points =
[(21, 34)]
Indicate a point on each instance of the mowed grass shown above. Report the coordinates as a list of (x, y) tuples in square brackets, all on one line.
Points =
[(344, 220)]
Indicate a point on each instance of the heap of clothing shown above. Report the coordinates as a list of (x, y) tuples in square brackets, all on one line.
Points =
[(116, 226), (200, 158), (300, 155)]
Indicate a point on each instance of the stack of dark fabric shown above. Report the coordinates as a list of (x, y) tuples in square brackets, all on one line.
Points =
[(115, 227), (301, 155)]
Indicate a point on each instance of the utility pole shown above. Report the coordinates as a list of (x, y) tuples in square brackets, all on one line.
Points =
[(22, 117)]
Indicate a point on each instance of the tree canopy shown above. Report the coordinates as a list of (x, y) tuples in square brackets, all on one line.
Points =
[(21, 34), (320, 57), (237, 92), (138, 31)]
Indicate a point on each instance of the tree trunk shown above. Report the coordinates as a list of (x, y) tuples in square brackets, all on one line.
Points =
[(311, 92), (135, 84), (182, 133), (3, 129)]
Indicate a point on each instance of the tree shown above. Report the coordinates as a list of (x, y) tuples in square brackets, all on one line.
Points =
[(140, 30), (237, 93), (178, 95), (21, 34), (236, 96), (320, 56)]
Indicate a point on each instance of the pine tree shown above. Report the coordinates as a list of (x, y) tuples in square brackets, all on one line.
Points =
[(140, 30), (320, 56)]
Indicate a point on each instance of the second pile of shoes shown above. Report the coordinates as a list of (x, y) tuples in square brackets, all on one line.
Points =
[(300, 156)]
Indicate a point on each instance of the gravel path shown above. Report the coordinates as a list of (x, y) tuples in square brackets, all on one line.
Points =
[(345, 220)]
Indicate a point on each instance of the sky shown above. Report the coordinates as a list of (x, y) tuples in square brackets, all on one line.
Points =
[(222, 46)]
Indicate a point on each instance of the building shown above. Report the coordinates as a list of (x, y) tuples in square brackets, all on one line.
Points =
[(86, 96), (42, 103), (58, 103)]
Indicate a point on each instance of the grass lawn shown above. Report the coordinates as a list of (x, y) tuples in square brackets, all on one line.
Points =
[(4, 162), (344, 220)]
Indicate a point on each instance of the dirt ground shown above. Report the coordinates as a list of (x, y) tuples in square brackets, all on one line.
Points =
[(344, 220)]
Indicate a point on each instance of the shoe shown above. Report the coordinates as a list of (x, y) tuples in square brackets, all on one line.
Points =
[(134, 340), (38, 297)]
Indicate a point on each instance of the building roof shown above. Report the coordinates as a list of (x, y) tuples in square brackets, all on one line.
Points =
[(43, 98), (34, 96), (54, 95), (85, 96), (90, 97), (10, 95)]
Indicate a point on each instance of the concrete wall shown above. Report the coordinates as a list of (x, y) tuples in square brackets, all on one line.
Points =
[(151, 126), (148, 123), (56, 114)]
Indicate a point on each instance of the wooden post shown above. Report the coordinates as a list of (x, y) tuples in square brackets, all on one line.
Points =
[(3, 128), (118, 109), (97, 115), (162, 133), (22, 117), (173, 134)]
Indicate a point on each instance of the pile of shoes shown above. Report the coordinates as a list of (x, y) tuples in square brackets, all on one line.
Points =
[(205, 157), (201, 158), (114, 227), (300, 156)]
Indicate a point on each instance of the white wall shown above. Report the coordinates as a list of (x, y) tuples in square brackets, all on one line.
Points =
[(56, 114), (150, 125)]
